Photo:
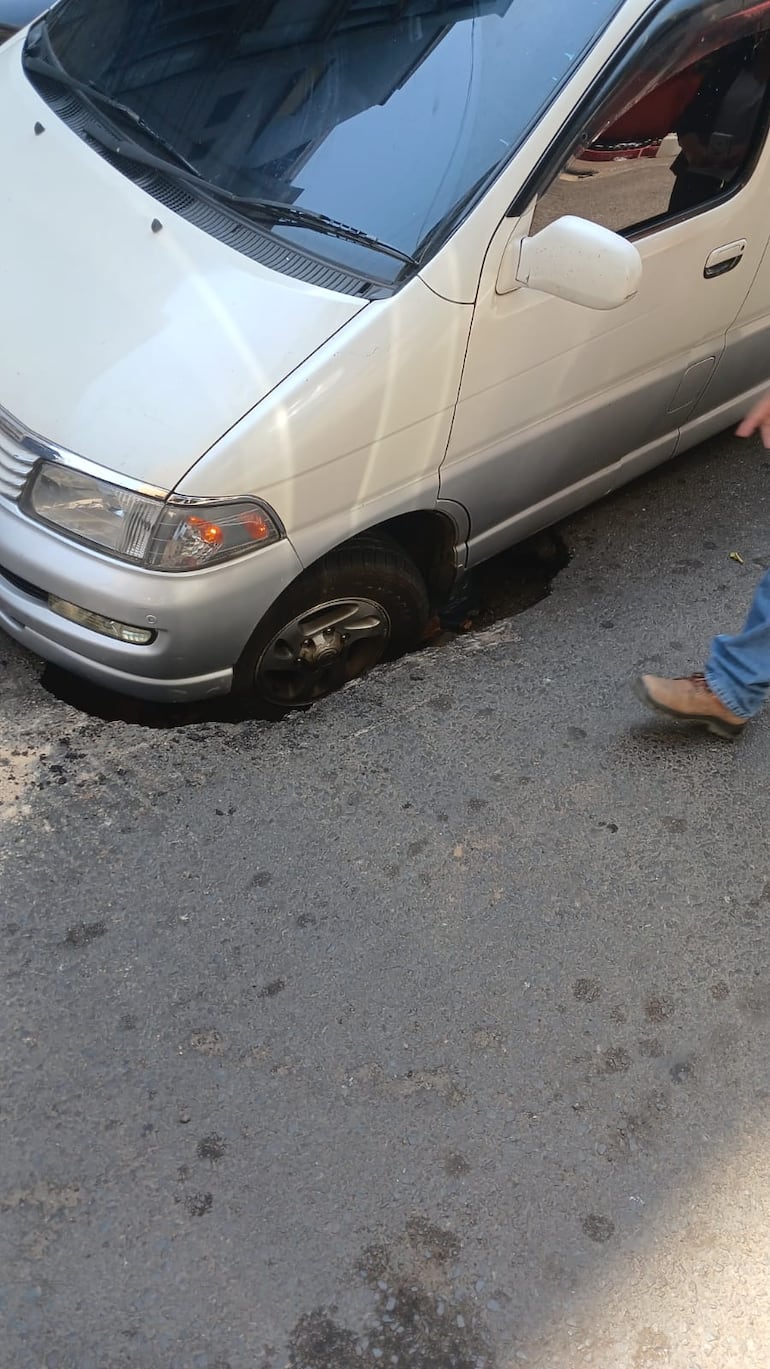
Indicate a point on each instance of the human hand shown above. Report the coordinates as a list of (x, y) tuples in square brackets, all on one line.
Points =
[(757, 420)]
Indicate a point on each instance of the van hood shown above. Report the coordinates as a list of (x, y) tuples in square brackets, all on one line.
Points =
[(133, 347)]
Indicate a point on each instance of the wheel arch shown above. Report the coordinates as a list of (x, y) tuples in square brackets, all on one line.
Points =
[(434, 539)]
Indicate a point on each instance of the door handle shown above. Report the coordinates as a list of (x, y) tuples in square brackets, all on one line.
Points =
[(724, 259)]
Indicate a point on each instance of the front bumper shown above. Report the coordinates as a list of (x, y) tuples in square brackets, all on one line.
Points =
[(203, 619)]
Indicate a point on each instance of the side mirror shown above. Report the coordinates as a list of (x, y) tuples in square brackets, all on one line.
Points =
[(574, 260)]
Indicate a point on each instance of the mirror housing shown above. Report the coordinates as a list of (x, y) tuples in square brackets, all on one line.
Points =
[(574, 260)]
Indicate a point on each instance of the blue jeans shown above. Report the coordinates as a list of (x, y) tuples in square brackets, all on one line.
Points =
[(738, 668)]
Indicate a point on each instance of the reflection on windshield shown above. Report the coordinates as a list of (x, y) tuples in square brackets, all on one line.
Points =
[(384, 116)]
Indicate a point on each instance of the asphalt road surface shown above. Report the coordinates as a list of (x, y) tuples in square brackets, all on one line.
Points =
[(428, 1029)]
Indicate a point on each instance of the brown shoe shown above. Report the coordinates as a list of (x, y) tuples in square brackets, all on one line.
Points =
[(689, 700)]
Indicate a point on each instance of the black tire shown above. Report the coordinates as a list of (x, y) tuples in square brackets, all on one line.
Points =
[(370, 572)]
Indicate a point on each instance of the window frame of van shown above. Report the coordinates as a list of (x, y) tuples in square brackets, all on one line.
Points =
[(655, 27)]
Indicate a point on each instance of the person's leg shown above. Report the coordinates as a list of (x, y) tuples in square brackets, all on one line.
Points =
[(736, 681), (738, 668)]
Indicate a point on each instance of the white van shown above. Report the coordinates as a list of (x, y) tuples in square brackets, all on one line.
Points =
[(309, 306)]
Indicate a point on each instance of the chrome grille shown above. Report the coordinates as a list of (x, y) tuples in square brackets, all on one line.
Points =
[(17, 458)]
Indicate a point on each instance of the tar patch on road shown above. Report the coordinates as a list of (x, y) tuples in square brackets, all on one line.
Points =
[(418, 1317), (83, 933)]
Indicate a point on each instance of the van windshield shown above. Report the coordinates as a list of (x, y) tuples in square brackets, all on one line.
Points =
[(389, 116)]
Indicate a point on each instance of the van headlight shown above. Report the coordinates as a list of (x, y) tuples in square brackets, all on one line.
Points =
[(136, 527)]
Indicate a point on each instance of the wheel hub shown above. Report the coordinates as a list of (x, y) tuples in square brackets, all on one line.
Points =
[(323, 648)]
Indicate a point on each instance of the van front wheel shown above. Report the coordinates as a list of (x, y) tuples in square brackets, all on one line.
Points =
[(362, 604)]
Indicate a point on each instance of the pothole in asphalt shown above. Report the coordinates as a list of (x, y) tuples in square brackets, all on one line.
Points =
[(510, 583), (109, 707), (501, 588)]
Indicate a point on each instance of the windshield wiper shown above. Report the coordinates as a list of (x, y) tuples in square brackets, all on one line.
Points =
[(268, 213), (271, 212), (48, 65)]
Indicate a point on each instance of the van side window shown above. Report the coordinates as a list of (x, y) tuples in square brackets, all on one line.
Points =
[(684, 143)]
